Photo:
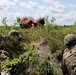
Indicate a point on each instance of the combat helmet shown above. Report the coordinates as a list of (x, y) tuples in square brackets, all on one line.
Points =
[(13, 33), (16, 34), (69, 39)]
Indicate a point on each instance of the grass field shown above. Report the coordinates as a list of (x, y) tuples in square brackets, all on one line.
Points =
[(54, 37)]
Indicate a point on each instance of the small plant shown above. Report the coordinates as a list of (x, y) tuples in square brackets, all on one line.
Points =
[(4, 20), (53, 21)]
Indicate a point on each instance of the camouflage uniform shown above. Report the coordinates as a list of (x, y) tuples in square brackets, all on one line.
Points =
[(4, 56), (7, 54), (19, 37), (69, 57)]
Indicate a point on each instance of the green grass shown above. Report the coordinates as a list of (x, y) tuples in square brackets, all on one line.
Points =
[(54, 36)]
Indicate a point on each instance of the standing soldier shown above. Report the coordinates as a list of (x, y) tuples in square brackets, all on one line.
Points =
[(11, 47), (69, 56)]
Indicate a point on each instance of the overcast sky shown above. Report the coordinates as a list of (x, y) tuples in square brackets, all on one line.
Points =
[(63, 10)]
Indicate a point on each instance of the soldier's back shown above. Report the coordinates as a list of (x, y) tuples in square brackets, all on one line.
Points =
[(69, 58)]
